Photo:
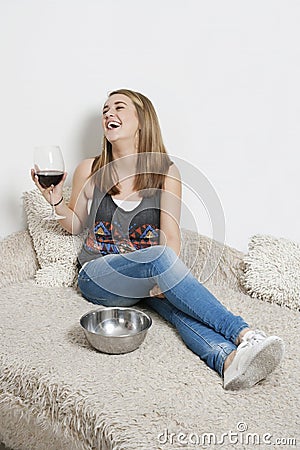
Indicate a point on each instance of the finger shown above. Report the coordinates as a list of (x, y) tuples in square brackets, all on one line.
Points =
[(35, 178), (37, 183), (156, 292), (153, 292), (33, 175)]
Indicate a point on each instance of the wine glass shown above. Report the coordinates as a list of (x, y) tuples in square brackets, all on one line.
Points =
[(49, 167)]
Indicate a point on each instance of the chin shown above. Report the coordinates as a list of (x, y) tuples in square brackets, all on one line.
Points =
[(112, 138)]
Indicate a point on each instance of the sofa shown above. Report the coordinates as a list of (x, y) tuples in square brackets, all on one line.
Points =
[(58, 393)]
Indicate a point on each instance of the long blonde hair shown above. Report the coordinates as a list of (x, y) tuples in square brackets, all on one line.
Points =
[(152, 159)]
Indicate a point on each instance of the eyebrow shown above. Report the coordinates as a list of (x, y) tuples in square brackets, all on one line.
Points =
[(115, 103)]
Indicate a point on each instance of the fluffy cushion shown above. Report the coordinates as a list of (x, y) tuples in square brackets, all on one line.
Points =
[(56, 249), (210, 261), (18, 258), (271, 270)]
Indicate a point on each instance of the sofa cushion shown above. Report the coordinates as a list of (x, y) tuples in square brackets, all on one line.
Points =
[(18, 258), (56, 249), (271, 270)]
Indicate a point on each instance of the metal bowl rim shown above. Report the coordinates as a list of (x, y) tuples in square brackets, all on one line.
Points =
[(122, 308)]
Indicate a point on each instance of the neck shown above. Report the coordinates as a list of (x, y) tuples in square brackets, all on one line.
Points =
[(124, 156), (125, 165), (124, 147)]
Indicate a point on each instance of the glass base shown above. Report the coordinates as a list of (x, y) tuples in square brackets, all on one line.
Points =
[(54, 217)]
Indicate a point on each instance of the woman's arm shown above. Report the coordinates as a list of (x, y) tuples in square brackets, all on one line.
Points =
[(170, 217), (170, 210), (76, 211)]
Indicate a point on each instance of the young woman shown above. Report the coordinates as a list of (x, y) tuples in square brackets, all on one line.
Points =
[(129, 198)]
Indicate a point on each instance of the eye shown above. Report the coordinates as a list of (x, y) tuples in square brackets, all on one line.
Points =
[(119, 107)]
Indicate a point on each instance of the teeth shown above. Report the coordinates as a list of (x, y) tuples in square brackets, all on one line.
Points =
[(112, 125)]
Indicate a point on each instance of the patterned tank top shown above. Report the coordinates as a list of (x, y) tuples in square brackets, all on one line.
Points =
[(112, 229)]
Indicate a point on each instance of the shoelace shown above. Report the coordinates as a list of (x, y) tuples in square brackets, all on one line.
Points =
[(252, 338)]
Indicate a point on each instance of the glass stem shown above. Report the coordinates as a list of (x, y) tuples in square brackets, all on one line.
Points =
[(51, 203)]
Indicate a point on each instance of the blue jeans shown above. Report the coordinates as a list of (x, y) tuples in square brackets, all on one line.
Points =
[(205, 325)]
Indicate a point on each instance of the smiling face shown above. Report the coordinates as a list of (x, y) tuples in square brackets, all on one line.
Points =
[(120, 119)]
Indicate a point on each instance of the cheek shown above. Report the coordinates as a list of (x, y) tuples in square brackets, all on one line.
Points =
[(135, 123), (131, 125)]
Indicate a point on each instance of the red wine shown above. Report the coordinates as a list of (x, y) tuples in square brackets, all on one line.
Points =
[(48, 177)]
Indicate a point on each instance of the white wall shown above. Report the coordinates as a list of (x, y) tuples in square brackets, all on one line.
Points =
[(223, 76)]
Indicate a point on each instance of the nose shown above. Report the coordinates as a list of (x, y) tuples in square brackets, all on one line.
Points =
[(109, 114)]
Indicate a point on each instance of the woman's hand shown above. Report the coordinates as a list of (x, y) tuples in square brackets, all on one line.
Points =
[(56, 191), (156, 292)]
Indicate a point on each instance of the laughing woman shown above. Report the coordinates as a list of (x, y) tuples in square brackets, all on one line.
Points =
[(129, 198)]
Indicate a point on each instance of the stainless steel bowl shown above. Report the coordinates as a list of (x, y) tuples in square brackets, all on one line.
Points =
[(115, 330)]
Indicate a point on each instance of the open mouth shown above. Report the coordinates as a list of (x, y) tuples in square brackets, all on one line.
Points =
[(112, 125)]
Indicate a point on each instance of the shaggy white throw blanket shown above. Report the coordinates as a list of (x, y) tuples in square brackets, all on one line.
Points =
[(57, 393)]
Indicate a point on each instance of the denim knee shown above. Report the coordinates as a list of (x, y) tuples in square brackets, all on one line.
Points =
[(102, 297), (162, 259), (160, 251)]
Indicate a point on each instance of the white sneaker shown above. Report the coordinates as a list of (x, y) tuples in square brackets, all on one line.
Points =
[(256, 357)]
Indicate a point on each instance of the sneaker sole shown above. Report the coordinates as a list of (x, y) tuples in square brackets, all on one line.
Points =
[(262, 363)]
